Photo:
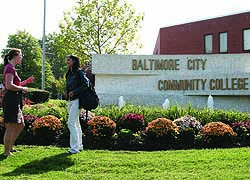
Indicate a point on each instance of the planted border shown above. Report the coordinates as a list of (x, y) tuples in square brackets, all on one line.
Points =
[(138, 140)]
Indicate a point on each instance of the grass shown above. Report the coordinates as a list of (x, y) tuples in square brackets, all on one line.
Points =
[(38, 162)]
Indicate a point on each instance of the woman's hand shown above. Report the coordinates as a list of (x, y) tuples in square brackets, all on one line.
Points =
[(30, 80), (65, 94), (27, 81), (71, 94)]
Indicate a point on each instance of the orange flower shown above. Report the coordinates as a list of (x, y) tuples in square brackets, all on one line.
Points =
[(101, 126), (161, 127), (49, 121), (216, 129)]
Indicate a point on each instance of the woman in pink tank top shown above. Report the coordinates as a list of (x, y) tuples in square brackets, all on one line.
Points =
[(12, 100)]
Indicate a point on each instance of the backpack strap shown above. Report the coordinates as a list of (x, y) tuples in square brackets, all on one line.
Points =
[(86, 115), (78, 77)]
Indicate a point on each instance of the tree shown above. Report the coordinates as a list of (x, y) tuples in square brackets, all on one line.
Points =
[(100, 27), (60, 85), (55, 55), (32, 59)]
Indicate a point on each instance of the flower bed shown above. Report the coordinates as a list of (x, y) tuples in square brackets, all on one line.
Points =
[(134, 129)]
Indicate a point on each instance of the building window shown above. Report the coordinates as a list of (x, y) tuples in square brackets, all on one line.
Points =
[(223, 42), (246, 39), (208, 44)]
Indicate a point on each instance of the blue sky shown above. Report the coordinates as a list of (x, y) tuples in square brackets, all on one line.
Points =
[(28, 15)]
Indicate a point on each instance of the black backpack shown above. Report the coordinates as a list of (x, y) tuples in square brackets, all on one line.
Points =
[(88, 99)]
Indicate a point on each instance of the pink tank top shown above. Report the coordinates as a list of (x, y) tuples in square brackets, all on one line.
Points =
[(10, 69)]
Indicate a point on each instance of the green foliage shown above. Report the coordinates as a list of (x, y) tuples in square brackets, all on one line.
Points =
[(125, 134), (206, 116), (186, 137), (49, 77), (115, 113), (101, 127), (150, 113), (56, 108), (55, 55), (61, 85), (37, 95), (242, 130), (217, 134), (58, 103), (100, 27), (32, 59)]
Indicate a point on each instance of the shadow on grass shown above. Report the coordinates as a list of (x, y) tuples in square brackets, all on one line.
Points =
[(2, 157), (58, 162)]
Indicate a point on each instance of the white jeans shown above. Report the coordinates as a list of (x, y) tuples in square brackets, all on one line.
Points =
[(74, 126)]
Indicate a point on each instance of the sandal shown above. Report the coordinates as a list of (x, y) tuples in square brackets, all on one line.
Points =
[(14, 150)]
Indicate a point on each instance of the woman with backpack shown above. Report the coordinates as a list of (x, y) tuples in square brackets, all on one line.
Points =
[(74, 86)]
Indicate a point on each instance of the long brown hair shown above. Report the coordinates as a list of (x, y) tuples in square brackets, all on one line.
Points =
[(76, 64), (13, 52)]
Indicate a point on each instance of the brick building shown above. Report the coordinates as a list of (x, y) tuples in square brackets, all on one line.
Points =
[(228, 34)]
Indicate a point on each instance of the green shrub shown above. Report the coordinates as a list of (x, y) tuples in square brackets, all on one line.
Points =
[(217, 134), (186, 137), (115, 113), (101, 127), (56, 108), (163, 129), (134, 122), (242, 130), (46, 129), (128, 140), (58, 103), (37, 96), (125, 135), (150, 113), (206, 116)]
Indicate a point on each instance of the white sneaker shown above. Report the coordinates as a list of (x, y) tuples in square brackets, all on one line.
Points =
[(69, 152)]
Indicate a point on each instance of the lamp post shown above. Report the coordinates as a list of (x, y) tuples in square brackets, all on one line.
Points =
[(43, 57)]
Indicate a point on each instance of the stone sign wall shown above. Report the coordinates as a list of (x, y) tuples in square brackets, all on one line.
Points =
[(183, 79)]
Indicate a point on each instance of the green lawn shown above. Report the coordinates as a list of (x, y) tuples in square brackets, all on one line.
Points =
[(34, 162)]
